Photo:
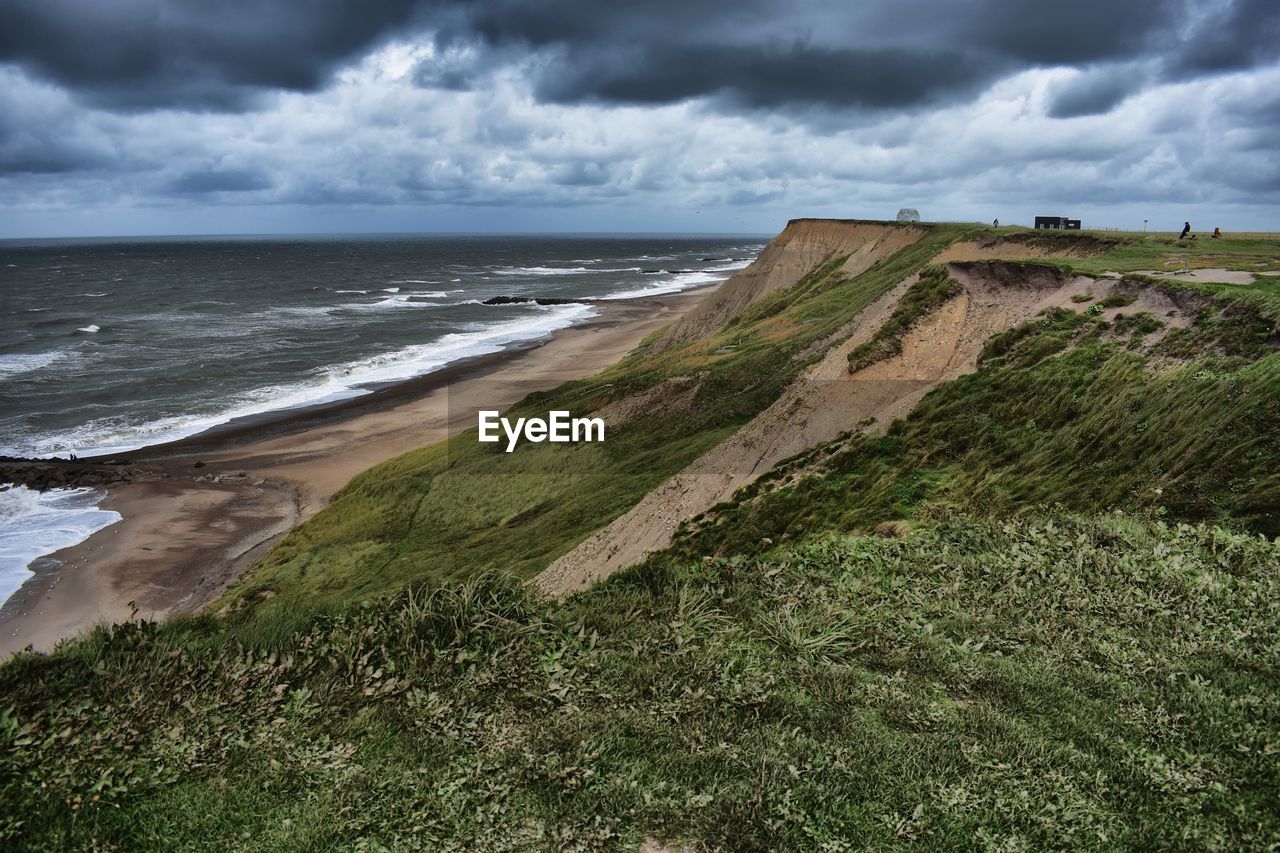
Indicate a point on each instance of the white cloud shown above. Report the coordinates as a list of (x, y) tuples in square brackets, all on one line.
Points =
[(384, 148)]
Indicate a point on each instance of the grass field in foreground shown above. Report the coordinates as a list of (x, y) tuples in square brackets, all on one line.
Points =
[(1058, 681)]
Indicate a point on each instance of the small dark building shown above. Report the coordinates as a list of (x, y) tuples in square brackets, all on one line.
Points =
[(1060, 223)]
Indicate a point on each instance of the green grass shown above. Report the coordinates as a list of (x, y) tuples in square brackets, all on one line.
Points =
[(1057, 681), (1056, 416), (445, 512)]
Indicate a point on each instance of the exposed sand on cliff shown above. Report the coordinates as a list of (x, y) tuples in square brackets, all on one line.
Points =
[(1208, 275), (828, 401)]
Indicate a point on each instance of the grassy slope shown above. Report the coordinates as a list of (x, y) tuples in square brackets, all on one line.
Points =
[(1058, 415), (1056, 682), (446, 512), (1006, 676)]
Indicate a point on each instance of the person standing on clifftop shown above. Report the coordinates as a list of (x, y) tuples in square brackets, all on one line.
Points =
[(1186, 229)]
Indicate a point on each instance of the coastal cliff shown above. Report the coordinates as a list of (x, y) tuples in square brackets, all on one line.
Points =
[(927, 533), (802, 247)]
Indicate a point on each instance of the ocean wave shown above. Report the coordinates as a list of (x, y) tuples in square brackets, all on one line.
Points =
[(298, 311), (679, 281), (382, 303), (327, 385), (18, 363), (542, 271), (390, 290), (351, 291), (35, 524), (92, 328), (398, 300), (426, 358)]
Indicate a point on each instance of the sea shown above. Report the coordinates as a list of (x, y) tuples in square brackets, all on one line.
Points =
[(110, 345)]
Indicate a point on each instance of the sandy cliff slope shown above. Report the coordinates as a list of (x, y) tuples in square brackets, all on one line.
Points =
[(803, 246), (827, 399)]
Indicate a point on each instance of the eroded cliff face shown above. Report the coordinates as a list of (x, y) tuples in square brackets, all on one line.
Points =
[(802, 247), (827, 400)]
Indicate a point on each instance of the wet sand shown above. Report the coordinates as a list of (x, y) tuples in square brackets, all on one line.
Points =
[(186, 536)]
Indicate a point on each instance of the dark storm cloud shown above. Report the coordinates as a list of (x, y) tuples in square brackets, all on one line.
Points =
[(1245, 35), (20, 155), (137, 54), (773, 76), (1095, 92), (50, 145), (580, 174), (903, 54), (1070, 33), (220, 181), (142, 54)]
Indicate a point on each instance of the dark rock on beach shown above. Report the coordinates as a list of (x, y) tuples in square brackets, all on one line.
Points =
[(43, 474), (524, 300)]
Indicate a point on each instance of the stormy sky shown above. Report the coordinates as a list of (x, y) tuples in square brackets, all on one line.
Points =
[(244, 116)]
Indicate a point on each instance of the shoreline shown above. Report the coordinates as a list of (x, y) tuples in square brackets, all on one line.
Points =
[(190, 531)]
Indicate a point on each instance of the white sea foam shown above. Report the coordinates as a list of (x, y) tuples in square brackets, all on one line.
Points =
[(34, 524), (397, 300), (425, 358), (299, 311), (542, 271), (390, 290), (92, 328), (680, 281), (19, 363), (328, 384)]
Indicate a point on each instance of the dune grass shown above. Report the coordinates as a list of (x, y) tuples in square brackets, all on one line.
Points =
[(1057, 415), (448, 511), (1057, 681)]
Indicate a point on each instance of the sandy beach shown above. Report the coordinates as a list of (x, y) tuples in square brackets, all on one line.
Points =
[(193, 529)]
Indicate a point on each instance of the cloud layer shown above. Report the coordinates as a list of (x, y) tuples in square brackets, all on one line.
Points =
[(562, 112)]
